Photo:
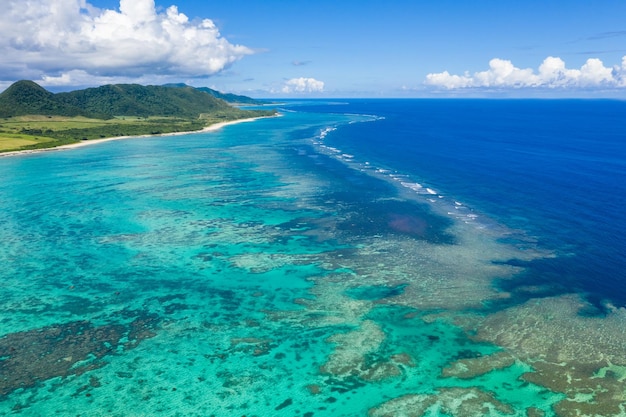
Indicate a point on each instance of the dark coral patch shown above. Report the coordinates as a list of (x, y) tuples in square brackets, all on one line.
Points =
[(74, 348)]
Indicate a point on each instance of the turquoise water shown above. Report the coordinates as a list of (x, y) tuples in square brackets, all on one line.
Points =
[(256, 271)]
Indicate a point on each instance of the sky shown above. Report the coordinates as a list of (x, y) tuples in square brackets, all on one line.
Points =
[(322, 48)]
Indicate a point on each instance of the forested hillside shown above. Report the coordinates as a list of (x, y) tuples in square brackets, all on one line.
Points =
[(27, 97)]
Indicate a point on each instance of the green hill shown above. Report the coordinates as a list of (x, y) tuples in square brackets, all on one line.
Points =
[(227, 97), (231, 98), (27, 98), (144, 101)]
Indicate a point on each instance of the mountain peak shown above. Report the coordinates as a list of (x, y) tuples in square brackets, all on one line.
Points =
[(25, 87), (27, 97)]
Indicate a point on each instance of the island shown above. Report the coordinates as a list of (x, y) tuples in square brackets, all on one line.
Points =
[(32, 117)]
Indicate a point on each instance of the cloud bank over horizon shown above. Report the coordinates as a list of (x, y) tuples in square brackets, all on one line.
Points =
[(551, 74), (302, 85), (65, 42)]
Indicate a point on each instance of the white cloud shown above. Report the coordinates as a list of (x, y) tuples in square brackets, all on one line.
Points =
[(303, 85), (57, 40), (83, 78), (445, 79), (552, 73)]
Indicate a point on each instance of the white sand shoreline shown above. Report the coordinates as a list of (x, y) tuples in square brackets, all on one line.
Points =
[(210, 128)]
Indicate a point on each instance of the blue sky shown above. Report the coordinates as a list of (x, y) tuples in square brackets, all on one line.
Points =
[(339, 48)]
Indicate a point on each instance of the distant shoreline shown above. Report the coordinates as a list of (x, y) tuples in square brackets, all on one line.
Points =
[(210, 128)]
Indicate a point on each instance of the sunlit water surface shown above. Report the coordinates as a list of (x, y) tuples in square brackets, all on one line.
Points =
[(381, 258)]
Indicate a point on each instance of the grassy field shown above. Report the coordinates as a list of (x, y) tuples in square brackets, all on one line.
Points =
[(10, 141), (36, 132)]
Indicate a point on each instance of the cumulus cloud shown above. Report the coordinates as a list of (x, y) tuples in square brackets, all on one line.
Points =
[(303, 85), (58, 40), (552, 73)]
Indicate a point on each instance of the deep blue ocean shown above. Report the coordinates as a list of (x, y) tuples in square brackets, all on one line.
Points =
[(435, 258), (555, 169)]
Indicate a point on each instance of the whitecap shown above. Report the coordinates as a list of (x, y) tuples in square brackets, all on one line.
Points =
[(415, 186)]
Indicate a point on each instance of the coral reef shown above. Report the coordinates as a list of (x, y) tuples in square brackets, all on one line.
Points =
[(456, 402), (473, 367), (583, 357), (65, 349)]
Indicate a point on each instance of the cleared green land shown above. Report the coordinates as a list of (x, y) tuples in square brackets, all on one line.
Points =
[(37, 132), (10, 142)]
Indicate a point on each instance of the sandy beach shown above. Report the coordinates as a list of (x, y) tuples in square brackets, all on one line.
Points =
[(211, 128)]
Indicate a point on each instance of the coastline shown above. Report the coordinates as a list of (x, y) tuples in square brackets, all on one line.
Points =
[(210, 128)]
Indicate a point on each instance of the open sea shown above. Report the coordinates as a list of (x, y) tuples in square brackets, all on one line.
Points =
[(374, 258)]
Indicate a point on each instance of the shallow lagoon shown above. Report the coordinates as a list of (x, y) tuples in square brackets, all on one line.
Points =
[(261, 271)]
